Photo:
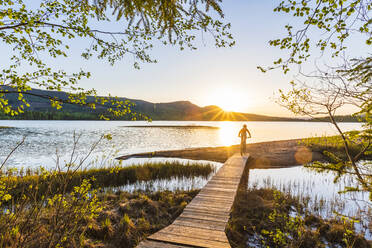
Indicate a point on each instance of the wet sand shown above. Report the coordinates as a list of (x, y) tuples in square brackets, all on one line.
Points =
[(272, 154)]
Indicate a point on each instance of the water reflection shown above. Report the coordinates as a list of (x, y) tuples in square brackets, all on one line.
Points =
[(228, 133), (174, 184), (317, 192)]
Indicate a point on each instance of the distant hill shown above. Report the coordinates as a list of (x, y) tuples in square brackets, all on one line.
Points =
[(40, 109)]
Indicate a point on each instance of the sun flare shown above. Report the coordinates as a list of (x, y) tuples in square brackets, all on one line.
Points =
[(227, 99)]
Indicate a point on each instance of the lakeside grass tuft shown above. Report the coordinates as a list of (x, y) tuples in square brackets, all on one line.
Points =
[(335, 145)]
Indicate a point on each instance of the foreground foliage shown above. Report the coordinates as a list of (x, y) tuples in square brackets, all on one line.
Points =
[(64, 209), (344, 81), (38, 35), (119, 219)]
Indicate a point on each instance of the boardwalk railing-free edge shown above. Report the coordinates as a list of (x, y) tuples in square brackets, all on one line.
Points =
[(202, 223)]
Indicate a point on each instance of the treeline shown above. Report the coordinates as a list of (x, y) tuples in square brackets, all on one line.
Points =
[(59, 115), (95, 115), (52, 115)]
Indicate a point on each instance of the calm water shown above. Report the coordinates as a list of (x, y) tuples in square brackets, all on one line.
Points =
[(318, 193), (47, 139)]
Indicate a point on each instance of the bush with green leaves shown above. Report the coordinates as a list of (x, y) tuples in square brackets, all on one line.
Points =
[(345, 81), (36, 32)]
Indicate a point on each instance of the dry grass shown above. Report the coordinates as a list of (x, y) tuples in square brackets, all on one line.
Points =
[(128, 218)]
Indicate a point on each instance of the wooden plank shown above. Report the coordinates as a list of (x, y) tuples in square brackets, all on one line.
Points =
[(214, 209), (204, 224), (221, 189), (193, 241), (200, 211), (211, 205), (211, 201), (191, 232), (202, 216), (157, 244), (216, 196), (223, 182), (219, 184), (212, 192)]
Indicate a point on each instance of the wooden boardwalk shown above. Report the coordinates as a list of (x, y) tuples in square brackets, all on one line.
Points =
[(202, 223)]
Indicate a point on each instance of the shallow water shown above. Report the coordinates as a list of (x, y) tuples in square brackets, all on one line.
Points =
[(45, 140), (318, 192), (174, 184)]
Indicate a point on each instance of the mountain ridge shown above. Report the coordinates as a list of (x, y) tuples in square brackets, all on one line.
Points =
[(183, 110)]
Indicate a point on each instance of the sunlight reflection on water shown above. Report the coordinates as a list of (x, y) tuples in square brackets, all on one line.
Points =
[(228, 134)]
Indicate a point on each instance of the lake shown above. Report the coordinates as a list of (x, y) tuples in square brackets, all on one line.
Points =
[(45, 140)]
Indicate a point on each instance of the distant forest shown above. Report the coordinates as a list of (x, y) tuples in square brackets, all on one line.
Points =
[(63, 115), (40, 109)]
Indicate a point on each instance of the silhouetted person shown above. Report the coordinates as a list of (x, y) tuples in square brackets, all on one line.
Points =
[(243, 139)]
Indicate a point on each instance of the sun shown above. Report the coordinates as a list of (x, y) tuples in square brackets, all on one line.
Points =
[(227, 99)]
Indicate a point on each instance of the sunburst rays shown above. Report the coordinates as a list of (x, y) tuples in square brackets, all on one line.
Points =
[(221, 115)]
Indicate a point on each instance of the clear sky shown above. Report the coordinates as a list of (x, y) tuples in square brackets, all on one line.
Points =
[(227, 77)]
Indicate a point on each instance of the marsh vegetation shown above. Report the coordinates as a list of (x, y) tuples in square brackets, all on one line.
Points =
[(269, 218), (86, 208)]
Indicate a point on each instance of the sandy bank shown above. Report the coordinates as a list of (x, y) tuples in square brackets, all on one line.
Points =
[(271, 154)]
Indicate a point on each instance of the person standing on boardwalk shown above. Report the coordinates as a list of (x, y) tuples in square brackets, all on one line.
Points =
[(243, 139)]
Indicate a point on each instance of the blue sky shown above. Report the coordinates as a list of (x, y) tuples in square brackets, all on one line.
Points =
[(227, 77)]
